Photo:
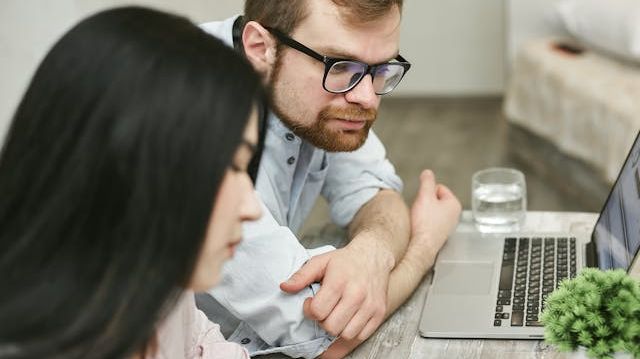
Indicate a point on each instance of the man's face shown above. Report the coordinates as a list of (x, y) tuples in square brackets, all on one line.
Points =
[(334, 122)]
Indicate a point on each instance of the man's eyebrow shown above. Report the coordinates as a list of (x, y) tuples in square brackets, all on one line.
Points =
[(343, 54)]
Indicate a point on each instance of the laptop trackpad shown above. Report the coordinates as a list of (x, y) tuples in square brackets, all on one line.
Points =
[(468, 278)]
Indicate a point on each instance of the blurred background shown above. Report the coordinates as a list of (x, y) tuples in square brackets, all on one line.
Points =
[(550, 87)]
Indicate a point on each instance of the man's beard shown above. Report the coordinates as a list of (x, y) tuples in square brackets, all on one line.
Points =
[(318, 133)]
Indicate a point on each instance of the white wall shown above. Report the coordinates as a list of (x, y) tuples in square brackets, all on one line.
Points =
[(28, 28), (528, 19), (456, 46)]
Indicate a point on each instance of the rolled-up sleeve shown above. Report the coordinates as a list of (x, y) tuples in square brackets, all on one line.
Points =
[(272, 320), (355, 177)]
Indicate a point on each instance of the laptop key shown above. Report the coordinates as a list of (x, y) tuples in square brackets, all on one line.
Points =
[(506, 276), (518, 300), (497, 323), (504, 302), (516, 318), (533, 324), (499, 309), (517, 307)]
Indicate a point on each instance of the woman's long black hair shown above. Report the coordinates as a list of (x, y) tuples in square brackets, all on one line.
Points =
[(107, 181)]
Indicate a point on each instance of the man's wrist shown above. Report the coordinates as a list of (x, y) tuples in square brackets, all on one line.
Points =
[(420, 257), (379, 251)]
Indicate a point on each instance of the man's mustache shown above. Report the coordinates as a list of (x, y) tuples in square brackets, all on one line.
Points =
[(349, 113)]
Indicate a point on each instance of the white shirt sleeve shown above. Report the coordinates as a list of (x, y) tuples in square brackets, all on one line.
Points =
[(355, 177), (250, 291)]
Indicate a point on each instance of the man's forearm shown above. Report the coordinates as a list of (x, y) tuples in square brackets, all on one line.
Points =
[(385, 220)]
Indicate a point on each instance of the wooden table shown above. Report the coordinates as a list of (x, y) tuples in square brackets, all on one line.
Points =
[(398, 337)]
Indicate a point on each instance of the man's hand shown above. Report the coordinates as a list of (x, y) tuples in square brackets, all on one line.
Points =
[(351, 302), (434, 215)]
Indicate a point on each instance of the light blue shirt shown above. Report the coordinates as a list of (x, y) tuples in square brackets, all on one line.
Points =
[(292, 174)]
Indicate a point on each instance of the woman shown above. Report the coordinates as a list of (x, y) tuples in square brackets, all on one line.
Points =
[(124, 184)]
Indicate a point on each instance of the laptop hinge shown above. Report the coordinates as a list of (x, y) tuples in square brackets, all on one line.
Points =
[(592, 259)]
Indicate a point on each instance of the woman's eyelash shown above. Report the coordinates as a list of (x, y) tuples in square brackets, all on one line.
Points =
[(235, 168)]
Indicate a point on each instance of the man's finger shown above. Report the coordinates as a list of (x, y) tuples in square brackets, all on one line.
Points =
[(355, 325), (443, 192), (323, 303), (427, 183), (343, 313), (306, 307), (370, 328), (446, 195), (311, 272), (427, 175)]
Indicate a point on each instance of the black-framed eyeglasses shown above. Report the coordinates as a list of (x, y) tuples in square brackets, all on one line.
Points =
[(342, 75)]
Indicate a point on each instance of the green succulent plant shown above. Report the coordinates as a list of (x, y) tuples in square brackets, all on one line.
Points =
[(597, 310)]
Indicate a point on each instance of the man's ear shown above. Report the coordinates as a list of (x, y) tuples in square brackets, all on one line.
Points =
[(259, 48)]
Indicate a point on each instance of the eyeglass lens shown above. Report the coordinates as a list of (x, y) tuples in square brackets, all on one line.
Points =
[(344, 75)]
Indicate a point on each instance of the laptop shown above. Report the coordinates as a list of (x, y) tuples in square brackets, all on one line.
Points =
[(495, 286)]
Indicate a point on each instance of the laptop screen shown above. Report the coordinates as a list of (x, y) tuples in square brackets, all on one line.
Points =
[(617, 232)]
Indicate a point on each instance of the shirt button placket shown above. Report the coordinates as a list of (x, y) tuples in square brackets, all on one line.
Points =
[(290, 136)]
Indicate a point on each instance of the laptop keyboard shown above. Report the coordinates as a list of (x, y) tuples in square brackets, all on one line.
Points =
[(531, 269)]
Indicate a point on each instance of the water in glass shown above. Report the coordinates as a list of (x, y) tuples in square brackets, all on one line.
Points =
[(498, 204), (499, 199)]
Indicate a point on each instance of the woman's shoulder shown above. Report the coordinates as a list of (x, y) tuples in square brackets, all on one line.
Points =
[(188, 333)]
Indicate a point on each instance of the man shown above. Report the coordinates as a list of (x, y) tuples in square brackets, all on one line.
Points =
[(327, 63)]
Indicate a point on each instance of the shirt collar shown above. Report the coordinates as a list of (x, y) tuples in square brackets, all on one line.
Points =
[(276, 125)]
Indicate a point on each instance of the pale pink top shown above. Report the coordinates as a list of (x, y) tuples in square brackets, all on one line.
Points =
[(188, 334)]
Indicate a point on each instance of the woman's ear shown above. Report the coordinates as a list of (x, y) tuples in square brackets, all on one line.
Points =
[(259, 48)]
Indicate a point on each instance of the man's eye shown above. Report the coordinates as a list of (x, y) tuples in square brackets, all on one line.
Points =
[(382, 71), (339, 68), (345, 67)]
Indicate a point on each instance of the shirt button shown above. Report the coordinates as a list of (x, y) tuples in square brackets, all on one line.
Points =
[(245, 341), (290, 136), (291, 160)]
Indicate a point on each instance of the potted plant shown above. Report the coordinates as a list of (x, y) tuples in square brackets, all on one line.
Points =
[(597, 311)]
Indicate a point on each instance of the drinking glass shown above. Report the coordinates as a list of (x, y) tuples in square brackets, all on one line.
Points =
[(499, 199)]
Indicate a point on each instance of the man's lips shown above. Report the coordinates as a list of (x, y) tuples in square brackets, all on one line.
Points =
[(351, 124)]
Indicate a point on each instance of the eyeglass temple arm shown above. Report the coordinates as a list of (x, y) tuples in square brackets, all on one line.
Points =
[(294, 44), (401, 59)]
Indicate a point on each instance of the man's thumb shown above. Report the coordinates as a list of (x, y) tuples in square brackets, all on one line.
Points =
[(311, 272)]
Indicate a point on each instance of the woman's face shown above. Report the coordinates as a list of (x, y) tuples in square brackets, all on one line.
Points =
[(235, 202)]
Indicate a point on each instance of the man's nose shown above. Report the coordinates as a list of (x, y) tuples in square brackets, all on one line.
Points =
[(364, 94)]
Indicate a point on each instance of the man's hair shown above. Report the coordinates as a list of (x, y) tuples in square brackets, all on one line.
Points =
[(286, 15)]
